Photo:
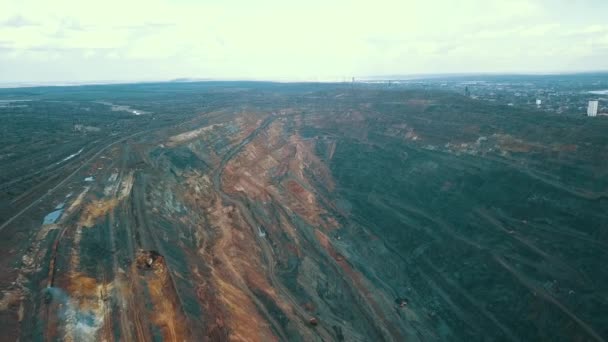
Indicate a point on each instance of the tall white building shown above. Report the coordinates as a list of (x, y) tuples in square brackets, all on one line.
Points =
[(592, 109)]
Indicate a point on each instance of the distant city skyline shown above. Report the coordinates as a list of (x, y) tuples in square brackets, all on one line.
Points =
[(65, 41)]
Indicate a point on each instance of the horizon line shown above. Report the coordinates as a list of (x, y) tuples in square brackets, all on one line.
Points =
[(328, 80)]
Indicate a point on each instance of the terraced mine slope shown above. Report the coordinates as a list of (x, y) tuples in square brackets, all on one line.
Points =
[(268, 212)]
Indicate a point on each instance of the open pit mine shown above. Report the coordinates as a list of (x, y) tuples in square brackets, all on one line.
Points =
[(277, 212)]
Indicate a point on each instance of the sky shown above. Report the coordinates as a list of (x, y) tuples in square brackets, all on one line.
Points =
[(140, 40)]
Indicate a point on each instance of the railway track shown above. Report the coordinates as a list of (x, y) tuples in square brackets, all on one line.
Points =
[(67, 178)]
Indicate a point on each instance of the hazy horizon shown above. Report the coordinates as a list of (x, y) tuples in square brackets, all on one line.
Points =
[(370, 78), (310, 41)]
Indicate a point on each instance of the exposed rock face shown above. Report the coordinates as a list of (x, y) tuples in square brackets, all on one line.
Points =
[(347, 217), (150, 260)]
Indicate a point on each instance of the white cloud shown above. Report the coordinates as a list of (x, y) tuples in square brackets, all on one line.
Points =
[(157, 39)]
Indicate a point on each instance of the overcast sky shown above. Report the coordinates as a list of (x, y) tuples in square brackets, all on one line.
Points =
[(66, 40)]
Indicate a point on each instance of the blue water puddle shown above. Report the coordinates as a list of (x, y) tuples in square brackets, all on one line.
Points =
[(60, 206), (52, 217)]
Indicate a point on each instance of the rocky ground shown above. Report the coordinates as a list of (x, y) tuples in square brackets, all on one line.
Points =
[(314, 213)]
